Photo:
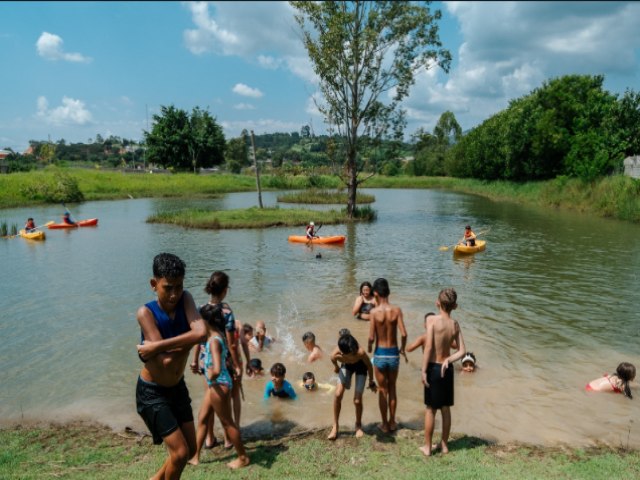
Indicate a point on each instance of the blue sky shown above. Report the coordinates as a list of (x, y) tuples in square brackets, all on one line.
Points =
[(73, 70)]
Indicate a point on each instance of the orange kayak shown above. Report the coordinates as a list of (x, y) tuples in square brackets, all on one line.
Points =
[(318, 240), (82, 223)]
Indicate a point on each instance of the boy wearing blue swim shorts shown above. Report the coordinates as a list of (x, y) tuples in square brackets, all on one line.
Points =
[(384, 322)]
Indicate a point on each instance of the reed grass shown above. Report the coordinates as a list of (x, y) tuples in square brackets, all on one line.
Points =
[(247, 218), (316, 196)]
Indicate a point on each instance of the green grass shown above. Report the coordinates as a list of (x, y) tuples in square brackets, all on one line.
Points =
[(616, 196), (315, 196), (81, 451), (248, 218)]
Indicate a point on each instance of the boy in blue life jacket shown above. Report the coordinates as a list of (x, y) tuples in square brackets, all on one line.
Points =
[(170, 326)]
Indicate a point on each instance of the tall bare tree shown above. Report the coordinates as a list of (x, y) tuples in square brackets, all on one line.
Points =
[(361, 50)]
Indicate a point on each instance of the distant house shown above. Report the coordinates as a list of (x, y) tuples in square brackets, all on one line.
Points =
[(632, 166), (28, 151), (4, 167)]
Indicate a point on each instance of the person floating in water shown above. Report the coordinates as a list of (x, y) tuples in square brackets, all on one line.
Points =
[(617, 382)]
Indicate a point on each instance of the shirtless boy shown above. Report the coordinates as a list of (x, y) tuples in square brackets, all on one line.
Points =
[(169, 326), (315, 352), (437, 368), (384, 321)]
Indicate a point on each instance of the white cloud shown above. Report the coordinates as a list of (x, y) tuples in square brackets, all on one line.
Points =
[(247, 91), (245, 29), (49, 46), (244, 106), (511, 48), (71, 112)]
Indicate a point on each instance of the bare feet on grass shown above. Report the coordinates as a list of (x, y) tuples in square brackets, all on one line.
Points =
[(426, 450), (194, 461), (393, 426), (334, 433), (359, 433), (239, 462), (384, 427)]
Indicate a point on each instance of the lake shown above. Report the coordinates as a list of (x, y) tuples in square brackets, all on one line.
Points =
[(550, 305)]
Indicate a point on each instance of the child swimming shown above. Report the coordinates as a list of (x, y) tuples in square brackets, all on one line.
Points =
[(617, 382)]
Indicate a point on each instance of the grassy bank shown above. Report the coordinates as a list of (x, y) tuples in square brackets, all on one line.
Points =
[(81, 451), (315, 196), (615, 197), (248, 218)]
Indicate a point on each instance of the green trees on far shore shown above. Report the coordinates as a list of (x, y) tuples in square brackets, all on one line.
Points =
[(570, 126), (184, 141)]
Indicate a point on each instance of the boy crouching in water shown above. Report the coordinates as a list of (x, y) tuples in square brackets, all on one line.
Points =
[(170, 326), (437, 368)]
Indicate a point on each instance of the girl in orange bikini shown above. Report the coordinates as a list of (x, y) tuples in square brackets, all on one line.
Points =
[(616, 382)]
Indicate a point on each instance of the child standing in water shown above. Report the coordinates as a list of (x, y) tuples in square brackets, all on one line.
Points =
[(355, 362), (384, 322), (437, 368), (220, 386), (170, 326), (616, 382)]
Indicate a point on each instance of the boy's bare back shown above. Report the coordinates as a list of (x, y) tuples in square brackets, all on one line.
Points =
[(441, 330), (385, 320)]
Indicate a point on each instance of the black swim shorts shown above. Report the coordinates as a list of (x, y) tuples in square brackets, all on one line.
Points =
[(439, 393), (163, 409)]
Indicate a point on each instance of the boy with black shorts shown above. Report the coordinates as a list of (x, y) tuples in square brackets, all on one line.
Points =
[(170, 326), (437, 368)]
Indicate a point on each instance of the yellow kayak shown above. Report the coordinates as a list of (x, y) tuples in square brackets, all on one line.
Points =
[(464, 250), (35, 235)]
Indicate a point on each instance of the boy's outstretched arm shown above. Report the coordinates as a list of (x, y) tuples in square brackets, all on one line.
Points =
[(426, 355), (459, 354), (418, 342), (403, 336)]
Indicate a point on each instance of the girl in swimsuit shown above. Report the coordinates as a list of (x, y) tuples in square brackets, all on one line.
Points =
[(364, 302), (616, 382), (220, 384)]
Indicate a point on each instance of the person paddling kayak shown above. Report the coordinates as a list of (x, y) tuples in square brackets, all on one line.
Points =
[(311, 231), (30, 226), (67, 219)]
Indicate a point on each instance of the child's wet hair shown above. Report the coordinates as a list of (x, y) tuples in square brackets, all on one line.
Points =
[(308, 376), (344, 331), (168, 265), (217, 283), (256, 364), (366, 284), (247, 328), (627, 373), (448, 298), (213, 315), (381, 287), (309, 337), (348, 344), (278, 370)]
